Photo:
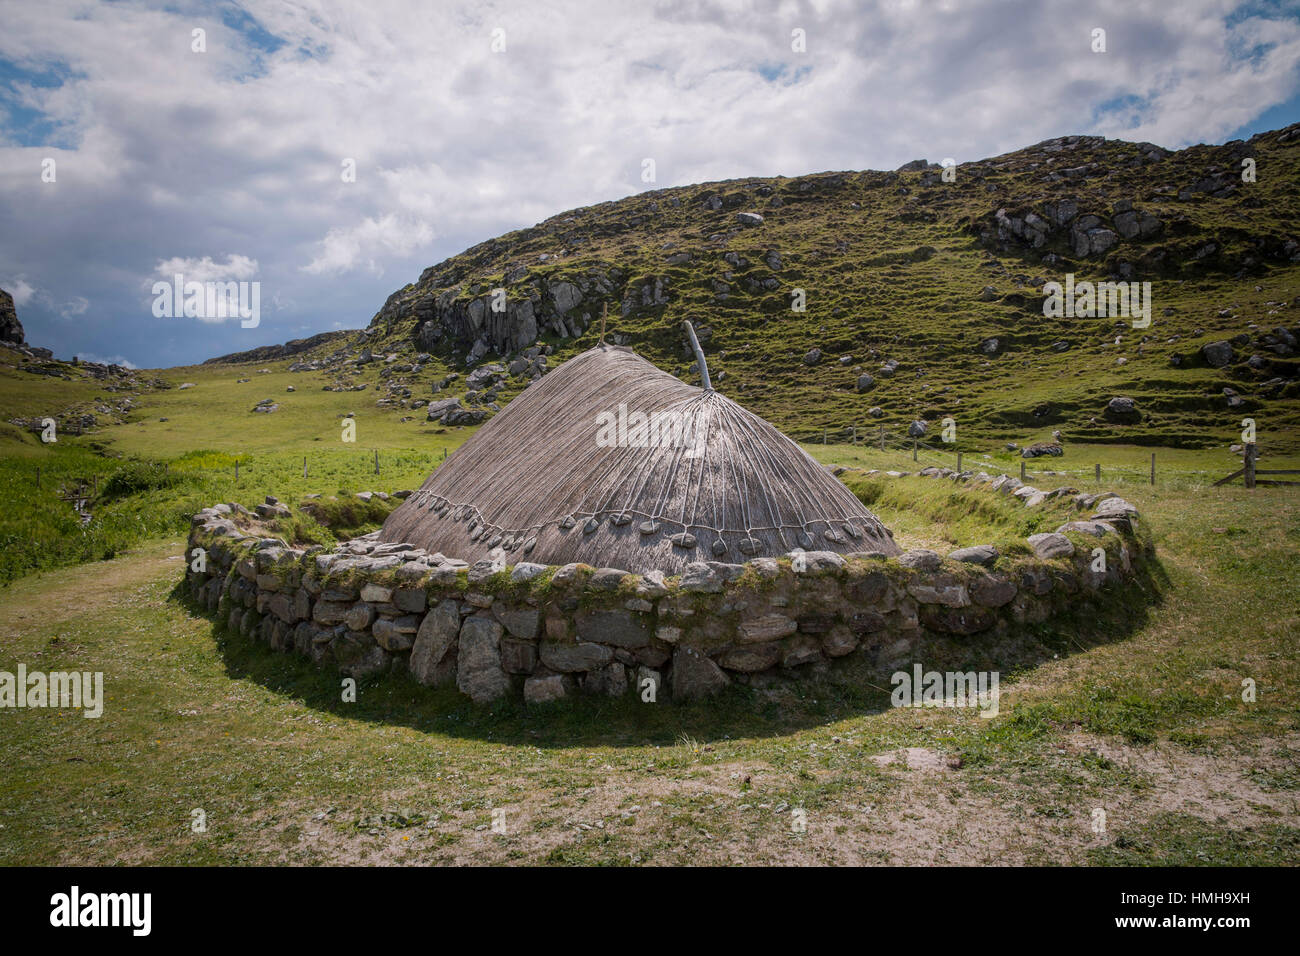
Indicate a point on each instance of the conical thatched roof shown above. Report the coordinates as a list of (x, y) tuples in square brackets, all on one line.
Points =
[(553, 479)]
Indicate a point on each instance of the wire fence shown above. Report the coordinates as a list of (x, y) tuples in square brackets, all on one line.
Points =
[(945, 455)]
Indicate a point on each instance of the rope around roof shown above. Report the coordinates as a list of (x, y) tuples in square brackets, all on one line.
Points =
[(610, 461)]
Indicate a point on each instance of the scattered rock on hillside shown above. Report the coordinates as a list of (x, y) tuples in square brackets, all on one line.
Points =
[(749, 219), (813, 357), (865, 382), (1217, 354), (464, 416), (917, 428), (1040, 449), (1123, 410), (266, 405), (438, 410)]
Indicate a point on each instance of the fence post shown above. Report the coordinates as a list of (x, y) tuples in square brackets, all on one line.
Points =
[(444, 452), (855, 435), (1250, 465), (959, 463), (304, 466), (882, 437), (914, 441), (236, 469), (1022, 469), (1153, 468), (376, 461), (38, 476), (1096, 472)]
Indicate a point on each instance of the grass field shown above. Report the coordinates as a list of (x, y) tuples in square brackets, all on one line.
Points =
[(1145, 722)]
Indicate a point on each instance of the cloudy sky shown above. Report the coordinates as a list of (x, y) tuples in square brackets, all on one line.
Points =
[(466, 120)]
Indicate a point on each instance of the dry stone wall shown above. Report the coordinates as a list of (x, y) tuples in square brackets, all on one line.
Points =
[(365, 607)]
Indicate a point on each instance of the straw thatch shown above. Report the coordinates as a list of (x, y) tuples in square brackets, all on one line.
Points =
[(551, 480)]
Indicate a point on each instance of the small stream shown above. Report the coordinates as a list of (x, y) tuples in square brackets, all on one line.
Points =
[(79, 497)]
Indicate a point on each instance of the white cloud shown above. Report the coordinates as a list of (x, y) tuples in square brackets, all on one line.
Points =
[(236, 268), (77, 305), (368, 243), (20, 289)]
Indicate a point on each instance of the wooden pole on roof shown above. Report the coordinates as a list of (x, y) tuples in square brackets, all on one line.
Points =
[(699, 355)]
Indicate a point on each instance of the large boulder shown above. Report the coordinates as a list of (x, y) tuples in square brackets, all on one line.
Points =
[(618, 627), (464, 416), (431, 663), (1123, 410), (478, 669), (694, 676), (1217, 354), (1039, 449), (571, 658), (438, 410), (543, 690), (565, 295), (1050, 545)]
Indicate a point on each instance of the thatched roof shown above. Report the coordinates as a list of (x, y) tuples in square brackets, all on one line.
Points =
[(552, 479)]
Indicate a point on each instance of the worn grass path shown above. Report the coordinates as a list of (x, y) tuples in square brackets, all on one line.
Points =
[(1151, 729)]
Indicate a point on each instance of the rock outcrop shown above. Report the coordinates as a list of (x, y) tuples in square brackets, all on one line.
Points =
[(11, 330)]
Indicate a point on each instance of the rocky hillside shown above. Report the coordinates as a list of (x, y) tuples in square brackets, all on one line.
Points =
[(921, 297)]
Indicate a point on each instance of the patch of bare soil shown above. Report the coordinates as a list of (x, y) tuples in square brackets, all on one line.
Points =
[(936, 813)]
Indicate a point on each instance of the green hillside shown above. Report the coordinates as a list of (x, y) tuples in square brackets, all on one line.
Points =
[(895, 266)]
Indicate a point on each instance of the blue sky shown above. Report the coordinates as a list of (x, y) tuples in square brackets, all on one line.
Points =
[(226, 163)]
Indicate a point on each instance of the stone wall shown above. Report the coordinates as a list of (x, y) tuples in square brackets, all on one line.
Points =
[(546, 632)]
